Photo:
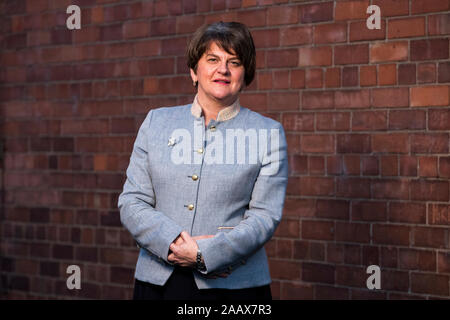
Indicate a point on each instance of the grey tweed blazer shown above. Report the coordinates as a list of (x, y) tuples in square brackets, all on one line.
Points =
[(228, 179)]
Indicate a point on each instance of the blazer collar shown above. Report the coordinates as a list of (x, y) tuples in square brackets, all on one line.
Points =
[(225, 114)]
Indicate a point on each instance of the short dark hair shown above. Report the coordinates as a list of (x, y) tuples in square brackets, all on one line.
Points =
[(228, 36)]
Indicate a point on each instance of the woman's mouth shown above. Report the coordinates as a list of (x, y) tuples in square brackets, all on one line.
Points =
[(223, 82)]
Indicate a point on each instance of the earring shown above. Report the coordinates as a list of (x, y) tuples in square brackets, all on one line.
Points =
[(194, 83)]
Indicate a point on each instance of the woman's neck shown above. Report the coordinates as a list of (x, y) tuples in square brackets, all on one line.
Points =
[(210, 107)]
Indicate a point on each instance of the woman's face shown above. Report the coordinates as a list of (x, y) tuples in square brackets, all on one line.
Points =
[(220, 75)]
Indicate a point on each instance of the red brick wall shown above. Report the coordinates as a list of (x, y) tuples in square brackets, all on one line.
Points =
[(366, 114)]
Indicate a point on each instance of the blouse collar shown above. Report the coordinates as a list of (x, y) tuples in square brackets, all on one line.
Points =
[(225, 114)]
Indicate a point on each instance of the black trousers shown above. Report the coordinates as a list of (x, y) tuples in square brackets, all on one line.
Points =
[(181, 286)]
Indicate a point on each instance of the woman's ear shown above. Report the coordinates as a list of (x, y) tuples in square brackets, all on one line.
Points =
[(193, 75)]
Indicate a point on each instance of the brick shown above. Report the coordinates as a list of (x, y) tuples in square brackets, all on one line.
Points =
[(390, 97), (444, 72), (295, 36), (407, 212), (332, 209), (353, 187), (283, 101), (285, 269), (352, 165), (332, 121), (350, 76), (390, 189), (439, 24), (404, 28), (314, 78), (316, 165), (289, 228), (393, 7), (430, 96), (391, 234), (317, 144), (423, 6), (389, 165), (330, 33), (351, 276), (297, 78), (395, 281), (316, 12), (282, 58), (444, 262), (318, 100), (439, 119), (423, 260), (444, 167), (369, 121), (368, 76), (389, 51), (387, 74), (406, 74), (352, 232), (360, 32), (316, 186), (434, 237), (428, 167), (266, 38), (429, 143), (426, 73), (407, 119), (318, 272), (430, 190), (331, 293), (349, 99), (332, 77), (390, 143), (351, 54), (353, 143), (408, 166), (316, 56), (317, 230), (281, 15), (299, 207), (133, 30), (369, 211), (429, 49), (298, 121), (350, 10), (296, 291), (281, 80)]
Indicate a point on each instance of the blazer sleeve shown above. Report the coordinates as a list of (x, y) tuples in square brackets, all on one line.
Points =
[(262, 216), (151, 229)]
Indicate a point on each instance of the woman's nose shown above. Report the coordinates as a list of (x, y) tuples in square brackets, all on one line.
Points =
[(223, 67)]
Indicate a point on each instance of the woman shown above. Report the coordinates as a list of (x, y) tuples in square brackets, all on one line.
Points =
[(199, 204)]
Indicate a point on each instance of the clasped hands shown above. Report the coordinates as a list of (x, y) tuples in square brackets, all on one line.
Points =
[(183, 252)]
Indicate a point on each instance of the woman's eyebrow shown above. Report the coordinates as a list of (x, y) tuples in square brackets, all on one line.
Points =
[(212, 54)]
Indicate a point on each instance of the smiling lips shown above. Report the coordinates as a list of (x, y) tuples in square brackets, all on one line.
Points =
[(222, 81)]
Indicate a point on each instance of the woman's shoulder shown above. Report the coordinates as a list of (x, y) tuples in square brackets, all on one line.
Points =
[(169, 112)]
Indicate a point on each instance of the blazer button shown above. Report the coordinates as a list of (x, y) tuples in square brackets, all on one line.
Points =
[(243, 261), (200, 150), (213, 128), (194, 177), (191, 207)]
